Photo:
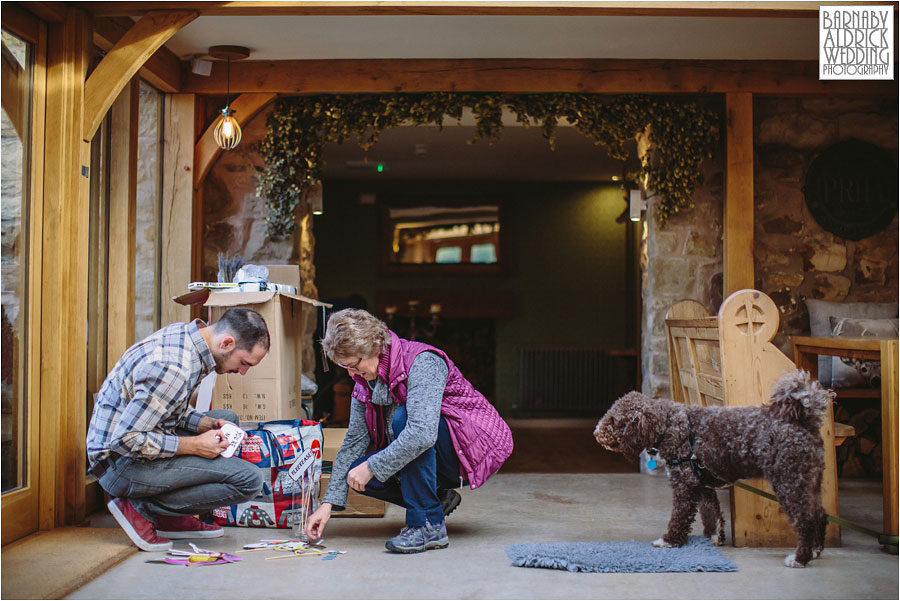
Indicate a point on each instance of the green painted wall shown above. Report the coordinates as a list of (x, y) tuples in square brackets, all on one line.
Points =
[(568, 278)]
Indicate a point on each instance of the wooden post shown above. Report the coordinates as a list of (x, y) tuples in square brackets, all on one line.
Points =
[(738, 209), (178, 206), (64, 274), (889, 417), (122, 215)]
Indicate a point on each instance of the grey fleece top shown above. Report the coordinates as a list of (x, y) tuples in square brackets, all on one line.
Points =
[(425, 391)]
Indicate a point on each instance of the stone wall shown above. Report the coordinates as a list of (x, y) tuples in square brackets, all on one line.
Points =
[(147, 223), (234, 223), (681, 260), (794, 257)]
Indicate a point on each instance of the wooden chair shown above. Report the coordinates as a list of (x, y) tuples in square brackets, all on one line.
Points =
[(729, 359)]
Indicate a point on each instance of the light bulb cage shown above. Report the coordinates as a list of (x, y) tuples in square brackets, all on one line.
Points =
[(224, 140), (227, 140)]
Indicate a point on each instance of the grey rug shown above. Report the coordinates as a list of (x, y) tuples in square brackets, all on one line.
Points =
[(697, 555)]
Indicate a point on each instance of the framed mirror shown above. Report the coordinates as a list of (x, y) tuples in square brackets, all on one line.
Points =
[(443, 237)]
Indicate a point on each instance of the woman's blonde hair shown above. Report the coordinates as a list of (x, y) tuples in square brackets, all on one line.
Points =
[(355, 333)]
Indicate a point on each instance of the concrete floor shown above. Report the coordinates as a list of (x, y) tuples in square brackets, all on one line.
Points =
[(515, 508)]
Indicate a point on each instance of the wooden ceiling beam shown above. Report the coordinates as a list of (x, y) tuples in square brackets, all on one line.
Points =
[(553, 8), (52, 12), (124, 60), (163, 69), (596, 76)]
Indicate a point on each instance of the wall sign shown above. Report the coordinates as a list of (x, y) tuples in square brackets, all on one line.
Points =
[(851, 189)]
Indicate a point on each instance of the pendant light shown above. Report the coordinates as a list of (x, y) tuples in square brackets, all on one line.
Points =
[(227, 132)]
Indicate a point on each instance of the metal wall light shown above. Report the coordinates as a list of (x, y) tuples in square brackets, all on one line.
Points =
[(227, 132), (636, 204)]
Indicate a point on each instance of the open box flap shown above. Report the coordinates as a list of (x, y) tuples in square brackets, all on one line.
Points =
[(236, 299), (306, 299), (194, 297), (232, 299)]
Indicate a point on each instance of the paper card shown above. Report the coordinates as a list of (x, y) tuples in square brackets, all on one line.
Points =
[(234, 435), (304, 462)]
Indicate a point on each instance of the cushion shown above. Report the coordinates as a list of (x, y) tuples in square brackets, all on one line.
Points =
[(819, 325), (846, 372)]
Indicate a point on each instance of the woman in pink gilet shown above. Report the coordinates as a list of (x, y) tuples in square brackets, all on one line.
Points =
[(432, 431)]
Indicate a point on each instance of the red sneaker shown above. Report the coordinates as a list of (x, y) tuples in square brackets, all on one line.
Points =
[(139, 529), (186, 527)]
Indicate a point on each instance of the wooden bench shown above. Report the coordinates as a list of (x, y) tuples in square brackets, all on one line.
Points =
[(729, 360)]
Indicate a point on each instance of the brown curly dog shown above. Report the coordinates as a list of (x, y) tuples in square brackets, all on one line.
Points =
[(779, 442)]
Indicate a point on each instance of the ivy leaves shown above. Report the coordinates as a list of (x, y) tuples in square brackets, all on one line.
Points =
[(681, 134)]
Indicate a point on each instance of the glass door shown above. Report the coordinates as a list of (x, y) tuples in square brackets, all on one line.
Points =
[(18, 286)]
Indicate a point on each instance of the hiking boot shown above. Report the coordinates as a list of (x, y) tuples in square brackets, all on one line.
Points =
[(450, 500), (139, 529), (415, 539), (186, 527)]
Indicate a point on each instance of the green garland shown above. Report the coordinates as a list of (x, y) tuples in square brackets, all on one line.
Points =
[(681, 136)]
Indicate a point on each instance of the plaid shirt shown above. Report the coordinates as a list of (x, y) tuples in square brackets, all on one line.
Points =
[(147, 395)]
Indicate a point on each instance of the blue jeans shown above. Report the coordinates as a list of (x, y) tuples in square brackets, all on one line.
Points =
[(183, 484), (416, 486)]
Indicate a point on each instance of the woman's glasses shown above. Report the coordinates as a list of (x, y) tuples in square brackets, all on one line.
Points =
[(349, 367)]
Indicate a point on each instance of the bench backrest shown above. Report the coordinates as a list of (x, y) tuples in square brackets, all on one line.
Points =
[(726, 359)]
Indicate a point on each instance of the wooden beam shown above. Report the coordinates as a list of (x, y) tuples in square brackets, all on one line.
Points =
[(123, 150), (246, 106), (597, 76), (64, 275), (52, 12), (163, 70), (124, 60), (474, 7), (738, 209), (21, 22), (177, 205)]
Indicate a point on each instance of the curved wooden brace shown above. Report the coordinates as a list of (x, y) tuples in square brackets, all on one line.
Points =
[(206, 151), (125, 59)]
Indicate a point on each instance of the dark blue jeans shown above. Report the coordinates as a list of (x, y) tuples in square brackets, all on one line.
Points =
[(416, 486), (183, 484)]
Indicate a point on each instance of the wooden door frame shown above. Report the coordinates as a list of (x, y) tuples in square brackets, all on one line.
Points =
[(20, 507)]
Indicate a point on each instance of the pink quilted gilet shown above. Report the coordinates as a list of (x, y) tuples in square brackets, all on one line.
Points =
[(482, 439)]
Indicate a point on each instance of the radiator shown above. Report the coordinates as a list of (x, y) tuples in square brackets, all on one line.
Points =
[(573, 380)]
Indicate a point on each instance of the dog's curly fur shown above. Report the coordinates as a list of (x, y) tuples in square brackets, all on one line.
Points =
[(779, 442)]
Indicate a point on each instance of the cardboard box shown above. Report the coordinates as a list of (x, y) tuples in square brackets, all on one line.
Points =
[(334, 437), (271, 389), (358, 506)]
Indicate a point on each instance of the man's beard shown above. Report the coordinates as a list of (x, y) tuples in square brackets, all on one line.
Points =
[(220, 361)]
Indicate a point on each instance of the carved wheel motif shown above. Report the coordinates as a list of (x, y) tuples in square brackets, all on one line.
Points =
[(851, 189), (749, 319), (753, 314)]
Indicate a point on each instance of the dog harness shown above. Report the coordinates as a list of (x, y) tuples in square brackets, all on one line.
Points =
[(706, 477)]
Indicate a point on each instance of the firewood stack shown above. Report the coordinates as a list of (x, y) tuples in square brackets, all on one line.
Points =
[(860, 455)]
